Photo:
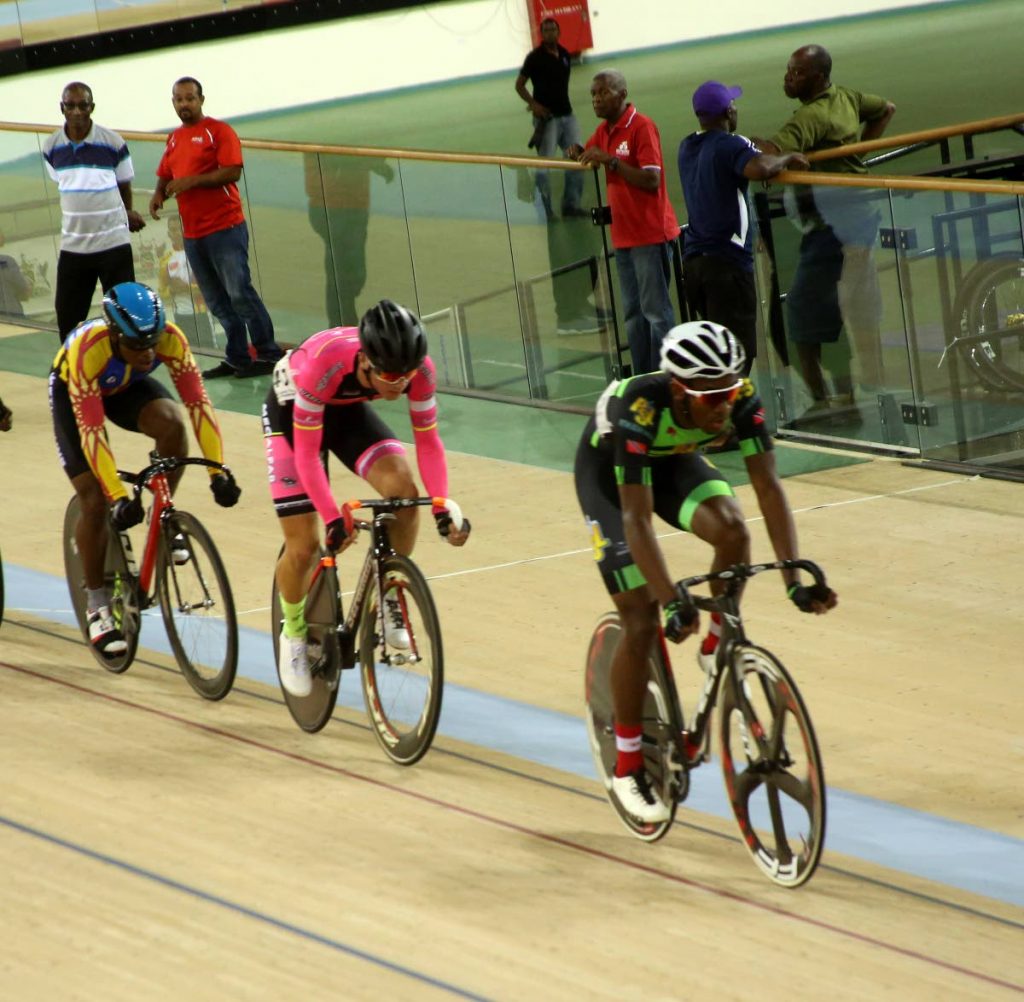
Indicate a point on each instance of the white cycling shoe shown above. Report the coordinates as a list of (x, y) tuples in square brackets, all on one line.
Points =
[(293, 666), (637, 798), (396, 633)]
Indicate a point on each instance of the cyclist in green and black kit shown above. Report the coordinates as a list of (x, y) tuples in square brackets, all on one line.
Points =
[(639, 455)]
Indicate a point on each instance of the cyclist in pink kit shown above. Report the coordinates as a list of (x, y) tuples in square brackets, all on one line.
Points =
[(319, 400)]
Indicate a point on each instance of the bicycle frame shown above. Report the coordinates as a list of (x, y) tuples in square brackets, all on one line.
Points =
[(733, 634), (370, 575), (154, 477)]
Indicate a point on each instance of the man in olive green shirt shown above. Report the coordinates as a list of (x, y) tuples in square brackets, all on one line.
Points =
[(836, 281)]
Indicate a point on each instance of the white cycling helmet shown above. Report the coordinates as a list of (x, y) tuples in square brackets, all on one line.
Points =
[(702, 350)]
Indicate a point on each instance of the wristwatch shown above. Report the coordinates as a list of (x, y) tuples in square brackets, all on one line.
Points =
[(613, 165)]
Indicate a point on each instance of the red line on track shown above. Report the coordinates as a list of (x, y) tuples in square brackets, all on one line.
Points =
[(523, 830)]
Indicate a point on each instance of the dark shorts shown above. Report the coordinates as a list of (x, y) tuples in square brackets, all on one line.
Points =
[(812, 303), (679, 484), (123, 408), (722, 291), (355, 433)]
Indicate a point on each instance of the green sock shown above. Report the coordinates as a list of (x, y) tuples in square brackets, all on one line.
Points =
[(294, 617)]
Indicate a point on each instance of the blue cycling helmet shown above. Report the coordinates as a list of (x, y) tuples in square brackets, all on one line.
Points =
[(135, 311)]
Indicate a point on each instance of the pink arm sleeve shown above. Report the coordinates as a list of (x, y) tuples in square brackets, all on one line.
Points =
[(430, 457), (318, 366), (307, 434)]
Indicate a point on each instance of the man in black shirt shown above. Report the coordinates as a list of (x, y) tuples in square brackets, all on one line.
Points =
[(555, 126)]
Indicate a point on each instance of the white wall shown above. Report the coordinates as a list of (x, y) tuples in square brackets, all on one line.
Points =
[(338, 59)]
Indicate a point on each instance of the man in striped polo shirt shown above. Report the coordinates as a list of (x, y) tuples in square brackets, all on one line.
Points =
[(93, 171)]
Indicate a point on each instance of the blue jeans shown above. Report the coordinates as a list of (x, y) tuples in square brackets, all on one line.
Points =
[(561, 132), (644, 282), (220, 262)]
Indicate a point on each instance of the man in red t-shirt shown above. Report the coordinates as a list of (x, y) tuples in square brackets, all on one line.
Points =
[(200, 168), (644, 225)]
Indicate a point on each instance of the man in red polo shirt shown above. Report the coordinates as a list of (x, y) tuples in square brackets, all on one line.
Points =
[(644, 225), (200, 168)]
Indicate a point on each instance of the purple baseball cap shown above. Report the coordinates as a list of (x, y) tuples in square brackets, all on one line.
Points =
[(712, 99)]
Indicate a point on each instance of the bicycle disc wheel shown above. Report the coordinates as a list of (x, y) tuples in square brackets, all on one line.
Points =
[(121, 583), (661, 758), (772, 768), (198, 610), (323, 607), (402, 686)]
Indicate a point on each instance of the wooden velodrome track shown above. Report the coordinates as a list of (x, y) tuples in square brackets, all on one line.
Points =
[(158, 847)]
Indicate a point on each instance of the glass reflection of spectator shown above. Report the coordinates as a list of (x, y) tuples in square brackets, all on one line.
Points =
[(338, 188), (15, 288), (836, 282), (180, 290)]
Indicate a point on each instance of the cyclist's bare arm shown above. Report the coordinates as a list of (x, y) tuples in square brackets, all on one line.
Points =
[(778, 518)]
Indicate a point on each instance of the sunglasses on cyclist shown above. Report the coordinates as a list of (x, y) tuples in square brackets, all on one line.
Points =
[(394, 378), (715, 397), (73, 105)]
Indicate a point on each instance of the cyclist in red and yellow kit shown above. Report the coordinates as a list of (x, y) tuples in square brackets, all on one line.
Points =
[(103, 371)]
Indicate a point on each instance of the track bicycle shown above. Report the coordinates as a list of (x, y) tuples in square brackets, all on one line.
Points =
[(181, 570), (770, 759), (402, 687), (988, 317)]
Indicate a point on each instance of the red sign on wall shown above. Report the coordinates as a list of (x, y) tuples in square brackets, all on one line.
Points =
[(573, 17)]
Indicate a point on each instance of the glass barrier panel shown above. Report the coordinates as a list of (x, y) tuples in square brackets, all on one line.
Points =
[(47, 21), (465, 280), (29, 232), (558, 259), (963, 256), (114, 16), (837, 338), (285, 255)]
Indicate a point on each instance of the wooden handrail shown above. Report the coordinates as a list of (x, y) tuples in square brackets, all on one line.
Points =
[(897, 181), (354, 151), (924, 136), (849, 180)]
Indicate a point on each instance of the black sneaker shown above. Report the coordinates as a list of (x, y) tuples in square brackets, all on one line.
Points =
[(219, 371), (257, 367)]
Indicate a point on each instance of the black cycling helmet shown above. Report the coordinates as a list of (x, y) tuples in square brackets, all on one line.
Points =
[(392, 337), (135, 311), (701, 349)]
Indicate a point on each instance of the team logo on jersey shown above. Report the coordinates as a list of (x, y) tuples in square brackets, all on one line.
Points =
[(622, 150), (643, 411), (598, 541), (639, 448), (759, 416)]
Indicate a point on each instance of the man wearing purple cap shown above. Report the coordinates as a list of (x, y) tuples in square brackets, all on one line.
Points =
[(715, 168)]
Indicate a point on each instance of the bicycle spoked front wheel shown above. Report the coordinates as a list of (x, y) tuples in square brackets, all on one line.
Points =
[(659, 747), (402, 665), (121, 586), (323, 608), (772, 767), (197, 606)]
